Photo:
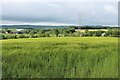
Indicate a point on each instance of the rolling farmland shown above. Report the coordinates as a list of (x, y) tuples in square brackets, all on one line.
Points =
[(60, 57)]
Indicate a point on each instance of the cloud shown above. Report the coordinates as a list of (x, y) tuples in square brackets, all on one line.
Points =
[(60, 12), (110, 8), (59, 0)]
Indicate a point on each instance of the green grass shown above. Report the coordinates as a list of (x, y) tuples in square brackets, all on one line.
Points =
[(64, 57)]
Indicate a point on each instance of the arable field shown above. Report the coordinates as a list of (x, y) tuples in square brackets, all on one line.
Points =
[(61, 57)]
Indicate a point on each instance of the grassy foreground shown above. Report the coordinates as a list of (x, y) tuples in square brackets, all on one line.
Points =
[(66, 57)]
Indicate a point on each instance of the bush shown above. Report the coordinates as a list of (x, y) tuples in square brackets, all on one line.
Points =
[(27, 35), (47, 35), (32, 36), (3, 36), (97, 33), (115, 33), (20, 36), (11, 36), (36, 36)]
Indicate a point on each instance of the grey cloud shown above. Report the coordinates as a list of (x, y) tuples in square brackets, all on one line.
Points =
[(65, 12)]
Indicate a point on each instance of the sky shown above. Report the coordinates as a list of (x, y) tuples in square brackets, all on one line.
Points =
[(78, 12)]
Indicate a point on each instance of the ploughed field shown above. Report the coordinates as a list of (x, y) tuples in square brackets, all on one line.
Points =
[(61, 57)]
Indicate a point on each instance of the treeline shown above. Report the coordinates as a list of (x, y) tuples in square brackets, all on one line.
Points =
[(64, 32)]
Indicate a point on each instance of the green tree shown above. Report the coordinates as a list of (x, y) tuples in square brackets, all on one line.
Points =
[(55, 31), (97, 33), (9, 31)]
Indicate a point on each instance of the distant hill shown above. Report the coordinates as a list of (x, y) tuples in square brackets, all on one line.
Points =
[(56, 26), (31, 26)]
